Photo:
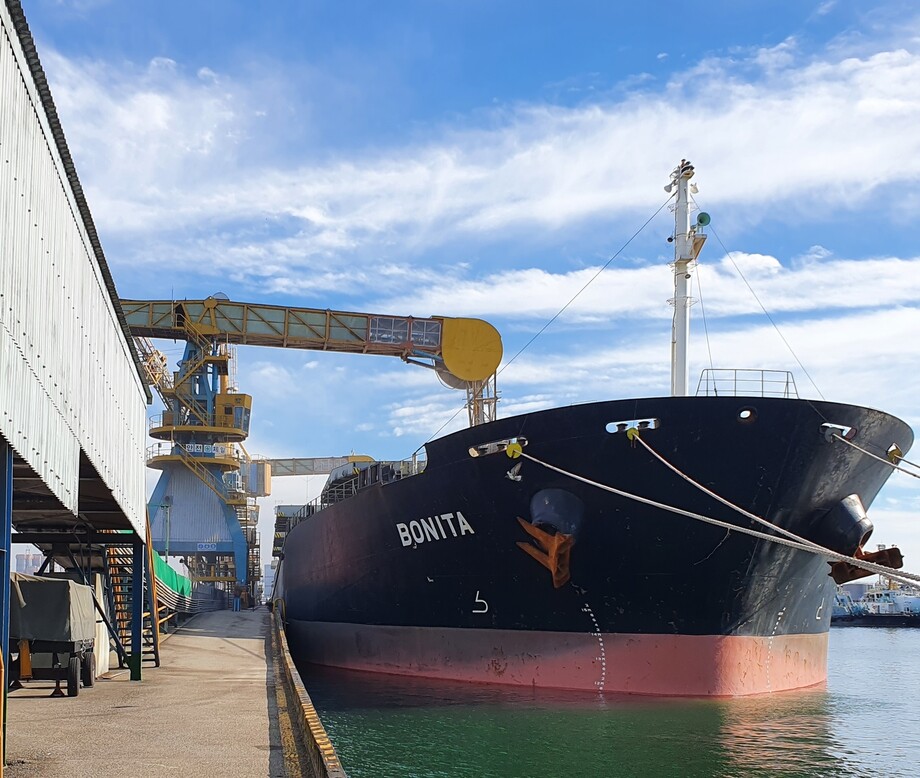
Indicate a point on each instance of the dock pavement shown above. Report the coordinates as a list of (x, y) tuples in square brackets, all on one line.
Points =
[(212, 708)]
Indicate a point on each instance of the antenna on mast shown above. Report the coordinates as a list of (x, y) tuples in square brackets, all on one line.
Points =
[(687, 245)]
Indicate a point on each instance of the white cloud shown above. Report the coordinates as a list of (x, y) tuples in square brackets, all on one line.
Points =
[(273, 380), (894, 515), (161, 151), (422, 419), (184, 170), (776, 57), (814, 282)]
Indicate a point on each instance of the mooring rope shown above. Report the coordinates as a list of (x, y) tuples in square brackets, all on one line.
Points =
[(883, 460), (813, 548), (633, 434)]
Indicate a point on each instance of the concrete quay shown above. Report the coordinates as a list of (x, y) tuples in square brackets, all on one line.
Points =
[(218, 705)]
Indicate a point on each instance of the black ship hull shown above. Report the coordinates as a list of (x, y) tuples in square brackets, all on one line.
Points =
[(428, 574)]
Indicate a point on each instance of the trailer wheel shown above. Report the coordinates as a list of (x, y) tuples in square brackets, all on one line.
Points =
[(73, 676), (88, 669)]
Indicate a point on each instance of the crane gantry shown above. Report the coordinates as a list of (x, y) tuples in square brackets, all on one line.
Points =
[(464, 352), (205, 420)]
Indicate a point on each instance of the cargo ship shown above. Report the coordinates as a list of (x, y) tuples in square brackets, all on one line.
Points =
[(609, 546)]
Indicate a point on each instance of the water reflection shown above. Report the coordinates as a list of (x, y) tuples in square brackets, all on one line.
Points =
[(787, 734), (386, 726)]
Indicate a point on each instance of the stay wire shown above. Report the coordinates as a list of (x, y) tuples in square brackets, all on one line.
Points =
[(765, 311), (586, 285), (699, 285), (557, 314)]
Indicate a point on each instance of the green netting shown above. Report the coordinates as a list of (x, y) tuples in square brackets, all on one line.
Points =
[(169, 577)]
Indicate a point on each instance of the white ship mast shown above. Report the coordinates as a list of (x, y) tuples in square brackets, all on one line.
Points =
[(687, 245)]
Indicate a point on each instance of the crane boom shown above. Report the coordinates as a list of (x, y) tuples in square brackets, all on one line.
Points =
[(311, 465), (468, 349)]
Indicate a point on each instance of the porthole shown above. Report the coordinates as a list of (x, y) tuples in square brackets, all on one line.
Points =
[(747, 415)]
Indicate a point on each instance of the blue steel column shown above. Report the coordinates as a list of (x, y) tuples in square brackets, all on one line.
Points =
[(6, 517), (137, 611)]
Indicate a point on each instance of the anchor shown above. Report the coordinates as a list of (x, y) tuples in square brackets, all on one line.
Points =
[(843, 572), (552, 551)]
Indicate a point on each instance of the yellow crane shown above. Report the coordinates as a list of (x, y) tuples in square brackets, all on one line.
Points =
[(464, 352), (205, 420)]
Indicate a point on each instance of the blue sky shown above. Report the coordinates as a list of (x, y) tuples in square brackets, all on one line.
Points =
[(485, 159)]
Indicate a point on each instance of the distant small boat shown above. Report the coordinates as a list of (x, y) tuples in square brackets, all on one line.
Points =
[(845, 607), (881, 606)]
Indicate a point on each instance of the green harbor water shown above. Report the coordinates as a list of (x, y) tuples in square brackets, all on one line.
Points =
[(864, 722)]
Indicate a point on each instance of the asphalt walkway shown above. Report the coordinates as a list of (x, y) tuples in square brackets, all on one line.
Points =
[(210, 709)]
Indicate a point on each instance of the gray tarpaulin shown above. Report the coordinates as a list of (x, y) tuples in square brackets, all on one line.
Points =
[(54, 609)]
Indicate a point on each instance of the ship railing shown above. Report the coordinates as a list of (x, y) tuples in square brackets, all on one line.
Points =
[(158, 450), (728, 382), (199, 451), (337, 493), (199, 418), (376, 473)]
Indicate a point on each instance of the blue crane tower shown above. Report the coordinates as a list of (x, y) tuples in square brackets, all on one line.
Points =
[(203, 506)]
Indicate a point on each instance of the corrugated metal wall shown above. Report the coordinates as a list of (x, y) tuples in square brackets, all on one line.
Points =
[(195, 514), (67, 377)]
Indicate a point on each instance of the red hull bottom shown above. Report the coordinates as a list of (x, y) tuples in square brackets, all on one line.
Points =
[(670, 665)]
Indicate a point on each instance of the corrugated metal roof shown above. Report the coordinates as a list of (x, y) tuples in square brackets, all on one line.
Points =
[(14, 7), (70, 380)]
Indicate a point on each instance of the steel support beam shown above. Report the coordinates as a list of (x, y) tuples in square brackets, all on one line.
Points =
[(77, 538), (6, 529), (137, 611), (87, 580)]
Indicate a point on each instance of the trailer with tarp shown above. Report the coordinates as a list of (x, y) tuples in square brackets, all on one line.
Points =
[(53, 616)]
